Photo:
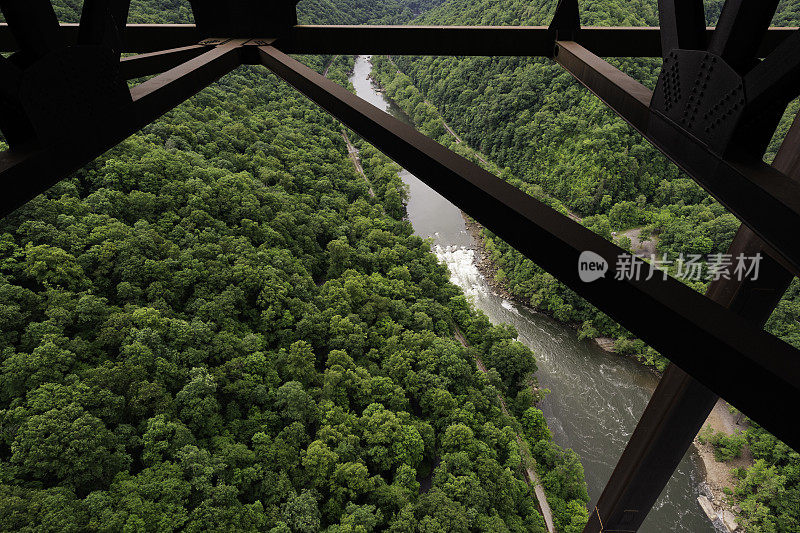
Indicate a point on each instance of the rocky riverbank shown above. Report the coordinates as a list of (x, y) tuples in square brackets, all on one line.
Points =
[(485, 265), (718, 475)]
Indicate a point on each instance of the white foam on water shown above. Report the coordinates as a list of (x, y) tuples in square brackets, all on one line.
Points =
[(463, 271), (509, 306)]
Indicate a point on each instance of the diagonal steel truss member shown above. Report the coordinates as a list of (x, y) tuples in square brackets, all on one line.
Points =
[(718, 144)]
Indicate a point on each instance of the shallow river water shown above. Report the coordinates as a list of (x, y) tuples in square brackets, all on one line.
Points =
[(596, 397)]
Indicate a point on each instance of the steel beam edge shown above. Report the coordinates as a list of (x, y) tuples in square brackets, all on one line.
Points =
[(156, 62), (139, 38), (606, 41)]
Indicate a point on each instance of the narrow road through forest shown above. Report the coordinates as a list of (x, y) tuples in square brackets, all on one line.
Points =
[(352, 151), (459, 141), (530, 473), (325, 72)]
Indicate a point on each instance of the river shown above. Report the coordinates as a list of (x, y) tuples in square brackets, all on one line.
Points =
[(596, 397)]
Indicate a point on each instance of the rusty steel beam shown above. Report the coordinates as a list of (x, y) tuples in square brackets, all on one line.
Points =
[(774, 80), (155, 62), (244, 18), (34, 169), (731, 346), (566, 20), (32, 24), (119, 11), (482, 40), (674, 414), (145, 38), (683, 24), (158, 95), (680, 405), (761, 196), (417, 40), (138, 38), (740, 29), (96, 23)]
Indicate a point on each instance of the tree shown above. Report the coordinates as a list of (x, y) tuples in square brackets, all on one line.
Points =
[(57, 507), (358, 519), (513, 360), (295, 404), (390, 442), (153, 500), (534, 425), (319, 461), (198, 405), (300, 363), (163, 439), (300, 512), (70, 446)]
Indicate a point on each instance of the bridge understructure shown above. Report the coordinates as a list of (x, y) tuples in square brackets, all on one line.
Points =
[(64, 100)]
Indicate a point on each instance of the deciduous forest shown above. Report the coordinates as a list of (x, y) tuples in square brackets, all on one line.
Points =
[(215, 326)]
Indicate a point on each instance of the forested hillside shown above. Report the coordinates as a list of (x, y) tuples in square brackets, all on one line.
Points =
[(529, 116), (537, 128), (308, 11), (215, 327)]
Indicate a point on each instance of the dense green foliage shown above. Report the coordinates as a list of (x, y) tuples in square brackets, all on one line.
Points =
[(529, 117), (769, 491), (725, 447), (539, 130), (141, 11), (216, 327), (361, 11), (309, 11)]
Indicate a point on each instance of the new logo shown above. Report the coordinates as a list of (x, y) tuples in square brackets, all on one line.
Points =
[(591, 266)]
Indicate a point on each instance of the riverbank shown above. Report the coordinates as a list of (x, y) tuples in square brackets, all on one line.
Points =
[(489, 270), (717, 476), (530, 475)]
